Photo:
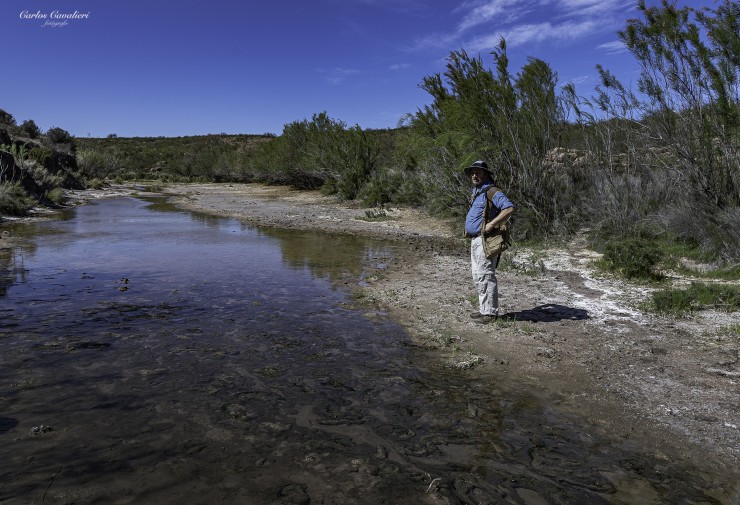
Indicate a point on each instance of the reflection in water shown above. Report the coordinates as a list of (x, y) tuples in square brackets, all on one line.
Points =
[(153, 356), (326, 257), (12, 265)]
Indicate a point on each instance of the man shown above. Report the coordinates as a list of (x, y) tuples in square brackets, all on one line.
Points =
[(487, 212)]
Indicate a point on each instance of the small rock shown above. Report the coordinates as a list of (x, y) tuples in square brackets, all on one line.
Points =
[(36, 430)]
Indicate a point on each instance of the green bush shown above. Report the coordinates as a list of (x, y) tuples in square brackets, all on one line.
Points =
[(40, 154), (45, 179), (319, 153), (55, 195), (698, 296), (634, 258), (389, 185), (14, 201), (95, 183), (380, 189)]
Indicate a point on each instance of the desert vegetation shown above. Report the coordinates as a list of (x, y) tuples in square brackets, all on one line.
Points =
[(34, 167), (650, 173), (219, 158)]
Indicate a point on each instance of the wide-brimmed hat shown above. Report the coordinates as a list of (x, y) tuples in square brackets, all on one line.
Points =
[(478, 164)]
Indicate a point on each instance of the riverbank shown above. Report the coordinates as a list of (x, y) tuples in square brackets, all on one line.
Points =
[(575, 336)]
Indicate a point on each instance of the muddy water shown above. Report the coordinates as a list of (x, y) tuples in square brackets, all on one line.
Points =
[(156, 356)]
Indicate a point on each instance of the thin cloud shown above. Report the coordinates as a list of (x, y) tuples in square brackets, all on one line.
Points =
[(483, 23), (434, 41), (338, 75), (540, 32), (614, 47), (505, 11), (580, 79), (399, 66), (590, 7)]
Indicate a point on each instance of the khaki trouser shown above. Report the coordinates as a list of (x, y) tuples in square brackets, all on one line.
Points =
[(484, 278)]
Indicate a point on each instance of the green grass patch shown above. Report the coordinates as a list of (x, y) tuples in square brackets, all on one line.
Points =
[(698, 296), (730, 273), (633, 258), (641, 258)]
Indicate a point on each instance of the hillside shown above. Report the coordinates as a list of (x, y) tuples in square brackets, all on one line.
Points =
[(203, 157)]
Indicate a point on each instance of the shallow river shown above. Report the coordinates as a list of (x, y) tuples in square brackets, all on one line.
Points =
[(151, 355)]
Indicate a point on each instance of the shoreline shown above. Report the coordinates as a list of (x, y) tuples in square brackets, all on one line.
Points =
[(573, 336)]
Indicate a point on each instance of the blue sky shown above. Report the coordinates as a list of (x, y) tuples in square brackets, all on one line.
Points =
[(186, 67)]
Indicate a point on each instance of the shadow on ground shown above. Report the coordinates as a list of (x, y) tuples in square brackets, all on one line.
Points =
[(549, 313)]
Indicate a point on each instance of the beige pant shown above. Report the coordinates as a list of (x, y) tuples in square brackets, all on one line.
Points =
[(484, 278)]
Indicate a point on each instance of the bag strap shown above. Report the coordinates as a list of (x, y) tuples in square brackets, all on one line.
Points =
[(490, 193)]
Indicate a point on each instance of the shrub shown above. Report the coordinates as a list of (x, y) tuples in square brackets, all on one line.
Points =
[(388, 185), (697, 297), (378, 190), (97, 164), (634, 258), (45, 179), (13, 200), (55, 196), (40, 154), (95, 183), (668, 153)]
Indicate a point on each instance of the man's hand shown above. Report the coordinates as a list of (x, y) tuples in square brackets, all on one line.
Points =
[(502, 217)]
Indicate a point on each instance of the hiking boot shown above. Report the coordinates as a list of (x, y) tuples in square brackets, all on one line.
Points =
[(476, 315), (485, 319)]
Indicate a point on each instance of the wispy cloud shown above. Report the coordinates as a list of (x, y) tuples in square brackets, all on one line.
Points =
[(590, 7), (399, 66), (540, 32), (482, 23), (434, 40), (506, 11), (614, 47), (337, 75), (580, 79)]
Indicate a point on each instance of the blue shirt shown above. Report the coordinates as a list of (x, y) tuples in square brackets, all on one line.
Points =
[(474, 220)]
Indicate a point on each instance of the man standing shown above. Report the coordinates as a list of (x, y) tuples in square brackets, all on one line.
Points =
[(489, 208)]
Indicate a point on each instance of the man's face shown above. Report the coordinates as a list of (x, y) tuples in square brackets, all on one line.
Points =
[(478, 176)]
